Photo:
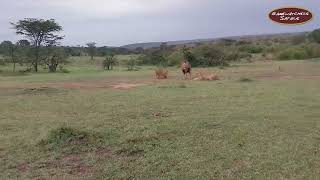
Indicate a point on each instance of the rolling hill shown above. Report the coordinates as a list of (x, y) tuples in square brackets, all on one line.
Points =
[(148, 45)]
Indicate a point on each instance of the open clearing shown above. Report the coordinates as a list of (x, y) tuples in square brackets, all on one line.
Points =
[(93, 124)]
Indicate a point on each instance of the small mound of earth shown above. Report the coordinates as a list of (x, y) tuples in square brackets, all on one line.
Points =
[(125, 86)]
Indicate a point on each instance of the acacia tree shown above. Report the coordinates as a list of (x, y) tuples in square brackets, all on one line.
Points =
[(91, 49), (40, 32)]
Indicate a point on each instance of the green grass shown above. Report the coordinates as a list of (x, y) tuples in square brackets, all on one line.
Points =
[(174, 129), (81, 69)]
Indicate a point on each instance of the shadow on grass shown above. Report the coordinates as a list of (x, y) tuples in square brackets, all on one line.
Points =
[(41, 90), (245, 79), (181, 85), (13, 74)]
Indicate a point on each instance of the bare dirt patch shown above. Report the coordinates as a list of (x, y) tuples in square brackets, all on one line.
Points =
[(72, 164), (80, 85), (23, 168), (103, 153), (125, 86), (237, 166), (300, 71), (76, 164), (277, 76)]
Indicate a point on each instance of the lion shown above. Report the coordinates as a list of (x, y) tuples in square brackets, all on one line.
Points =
[(161, 74)]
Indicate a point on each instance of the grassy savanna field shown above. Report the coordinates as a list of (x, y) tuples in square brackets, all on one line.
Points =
[(263, 127)]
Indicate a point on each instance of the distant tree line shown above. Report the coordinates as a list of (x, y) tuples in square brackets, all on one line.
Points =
[(40, 46), (224, 51)]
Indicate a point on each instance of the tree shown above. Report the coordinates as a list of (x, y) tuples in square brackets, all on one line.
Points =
[(23, 43), (298, 39), (209, 55), (315, 35), (109, 62), (164, 46), (175, 58), (4, 47), (155, 57), (53, 57), (139, 50), (40, 32), (24, 51), (91, 49), (10, 50), (189, 56), (132, 64)]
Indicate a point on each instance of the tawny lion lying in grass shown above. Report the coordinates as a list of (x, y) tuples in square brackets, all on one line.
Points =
[(161, 74), (205, 76)]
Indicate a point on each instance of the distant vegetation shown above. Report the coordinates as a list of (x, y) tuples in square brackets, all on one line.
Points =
[(41, 48)]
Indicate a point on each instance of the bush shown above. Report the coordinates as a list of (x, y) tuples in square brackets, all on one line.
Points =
[(209, 55), (298, 39), (293, 53), (233, 56), (313, 50), (109, 62), (155, 57), (315, 36), (2, 62), (190, 56), (253, 49), (132, 64), (66, 137), (63, 69), (175, 58)]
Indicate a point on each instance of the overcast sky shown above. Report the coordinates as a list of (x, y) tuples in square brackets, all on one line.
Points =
[(120, 22)]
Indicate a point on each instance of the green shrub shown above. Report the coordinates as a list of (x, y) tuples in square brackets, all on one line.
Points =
[(210, 55), (253, 49), (245, 55), (313, 50), (233, 56), (175, 58), (66, 138), (132, 64), (315, 35), (300, 55), (2, 61), (155, 57), (293, 53), (109, 62), (65, 70)]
